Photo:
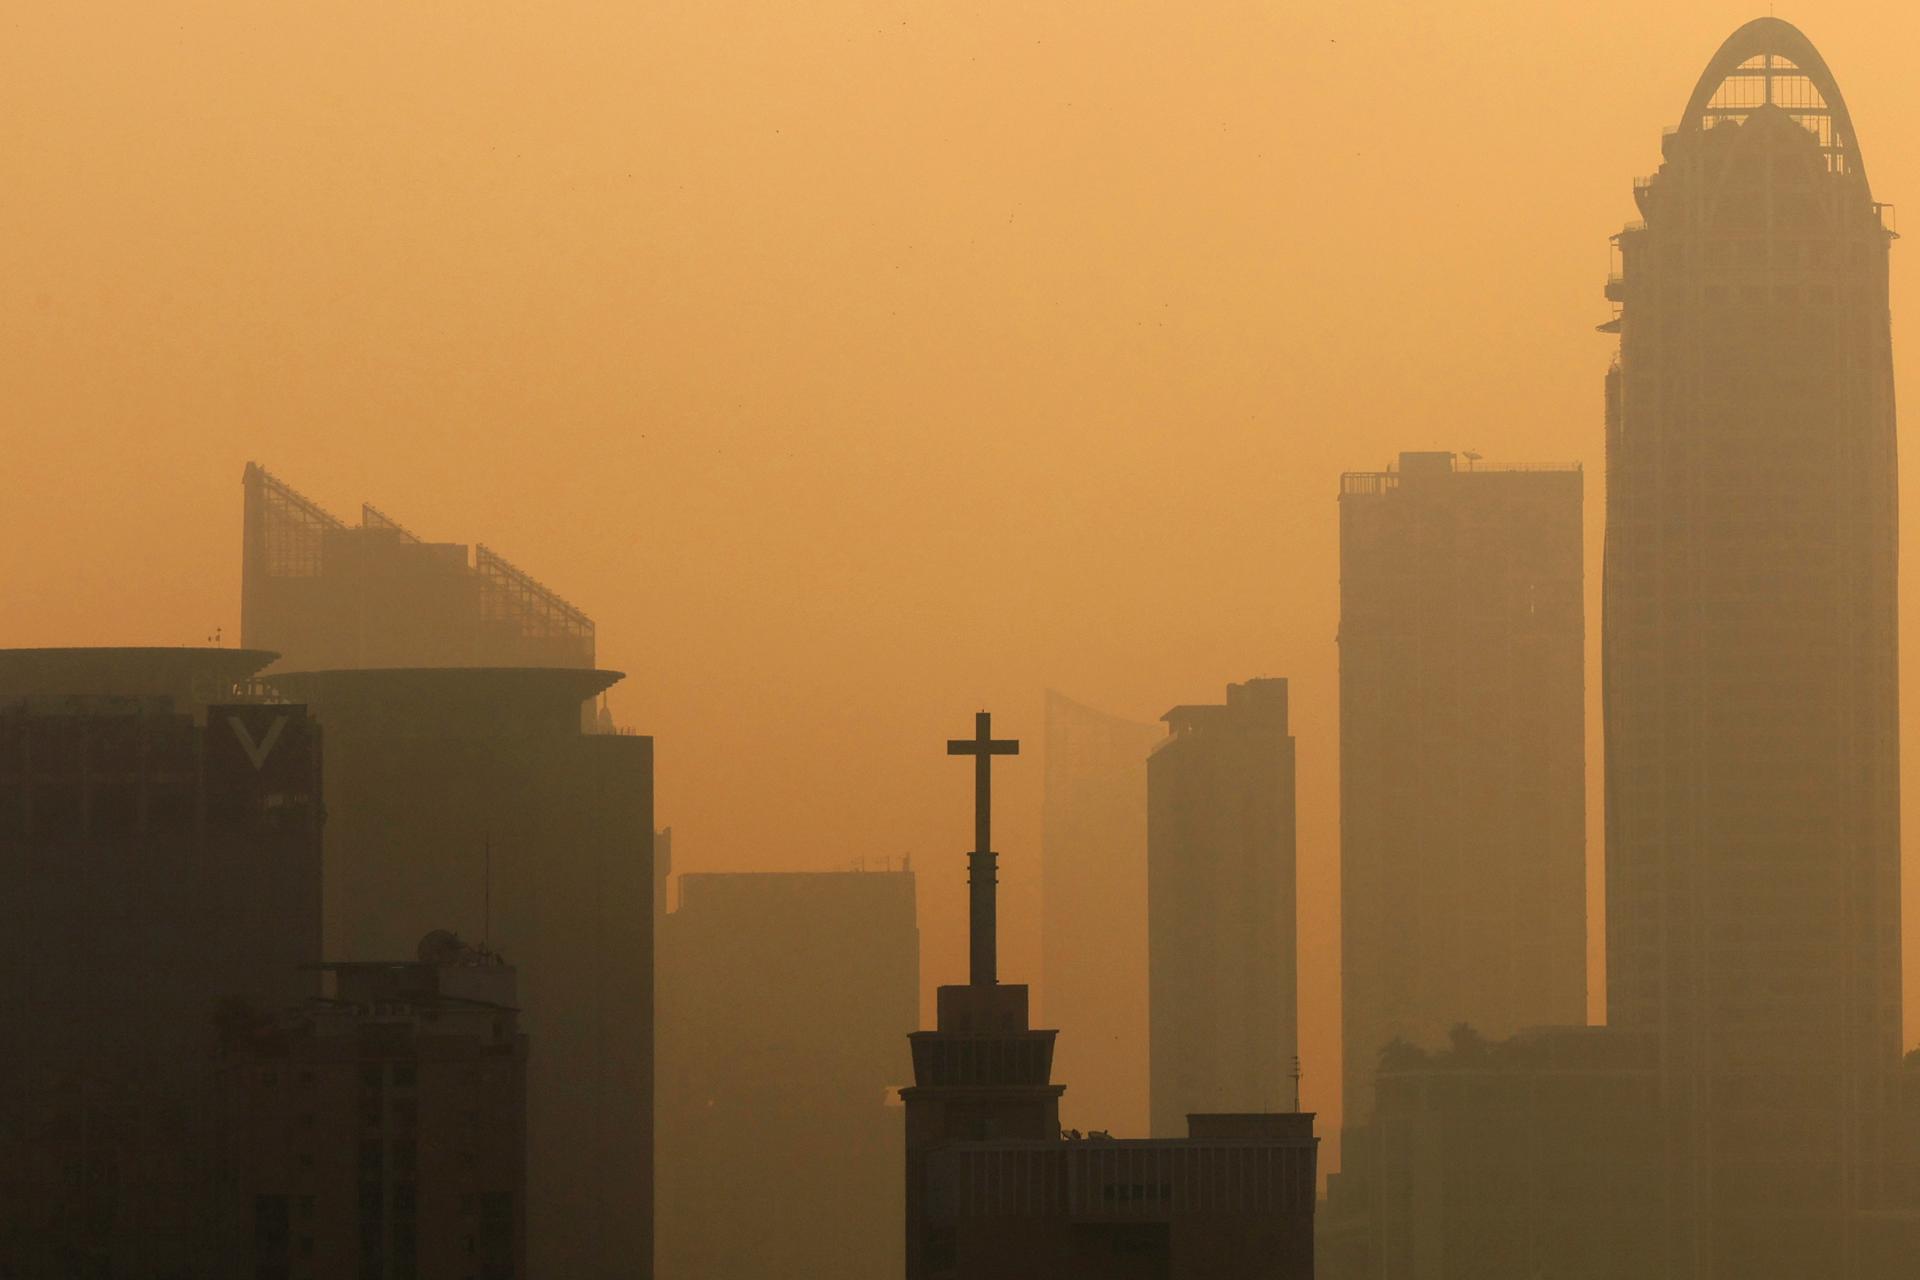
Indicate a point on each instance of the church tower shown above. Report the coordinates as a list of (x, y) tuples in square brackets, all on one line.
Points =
[(984, 1073), (995, 1191)]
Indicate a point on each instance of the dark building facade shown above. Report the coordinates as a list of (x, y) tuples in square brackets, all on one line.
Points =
[(1537, 1155), (1221, 930), (471, 797), (1751, 686), (996, 1191), (1462, 756), (160, 854), (1093, 909), (379, 1129), (781, 998), (326, 594), (1890, 1228)]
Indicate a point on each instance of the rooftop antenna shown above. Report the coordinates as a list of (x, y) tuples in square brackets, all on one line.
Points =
[(1296, 1084)]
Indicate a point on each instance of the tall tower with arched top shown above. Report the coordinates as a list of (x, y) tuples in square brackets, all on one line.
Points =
[(1751, 687)]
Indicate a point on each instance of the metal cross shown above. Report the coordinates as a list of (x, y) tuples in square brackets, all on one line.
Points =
[(982, 873)]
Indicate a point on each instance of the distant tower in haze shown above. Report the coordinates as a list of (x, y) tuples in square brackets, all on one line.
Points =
[(1093, 912), (781, 996), (1751, 685), (1462, 757), (1221, 950)]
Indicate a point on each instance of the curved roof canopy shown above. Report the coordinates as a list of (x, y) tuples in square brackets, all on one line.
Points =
[(1769, 62), (446, 701)]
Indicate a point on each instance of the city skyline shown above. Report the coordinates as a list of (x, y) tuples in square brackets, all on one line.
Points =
[(1103, 413)]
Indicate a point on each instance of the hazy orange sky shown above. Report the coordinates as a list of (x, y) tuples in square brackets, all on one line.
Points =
[(855, 365)]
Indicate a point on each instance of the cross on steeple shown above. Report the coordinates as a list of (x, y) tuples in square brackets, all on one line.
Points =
[(982, 872)]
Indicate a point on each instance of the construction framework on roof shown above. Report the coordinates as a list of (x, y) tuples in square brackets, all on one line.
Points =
[(326, 594)]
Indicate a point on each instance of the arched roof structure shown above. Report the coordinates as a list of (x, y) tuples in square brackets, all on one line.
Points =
[(1769, 62)]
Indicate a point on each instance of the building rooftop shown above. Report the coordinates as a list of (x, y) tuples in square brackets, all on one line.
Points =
[(1415, 468), (415, 699), (190, 675)]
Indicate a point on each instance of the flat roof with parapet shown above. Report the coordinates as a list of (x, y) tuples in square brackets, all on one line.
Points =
[(191, 675)]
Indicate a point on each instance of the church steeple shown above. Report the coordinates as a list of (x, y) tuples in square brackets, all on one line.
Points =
[(984, 1074)]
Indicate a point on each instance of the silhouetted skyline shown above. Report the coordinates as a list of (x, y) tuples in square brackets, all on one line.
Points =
[(859, 370), (338, 244)]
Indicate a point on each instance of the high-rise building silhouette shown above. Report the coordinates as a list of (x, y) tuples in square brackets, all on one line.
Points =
[(324, 594), (379, 1129), (160, 847), (1093, 909), (1462, 756), (470, 796), (995, 1190), (1221, 931), (781, 996), (1750, 677)]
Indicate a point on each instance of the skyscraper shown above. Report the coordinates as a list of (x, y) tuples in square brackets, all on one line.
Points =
[(160, 844), (471, 797), (1751, 689), (781, 998), (1093, 910), (1221, 936), (1462, 757)]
